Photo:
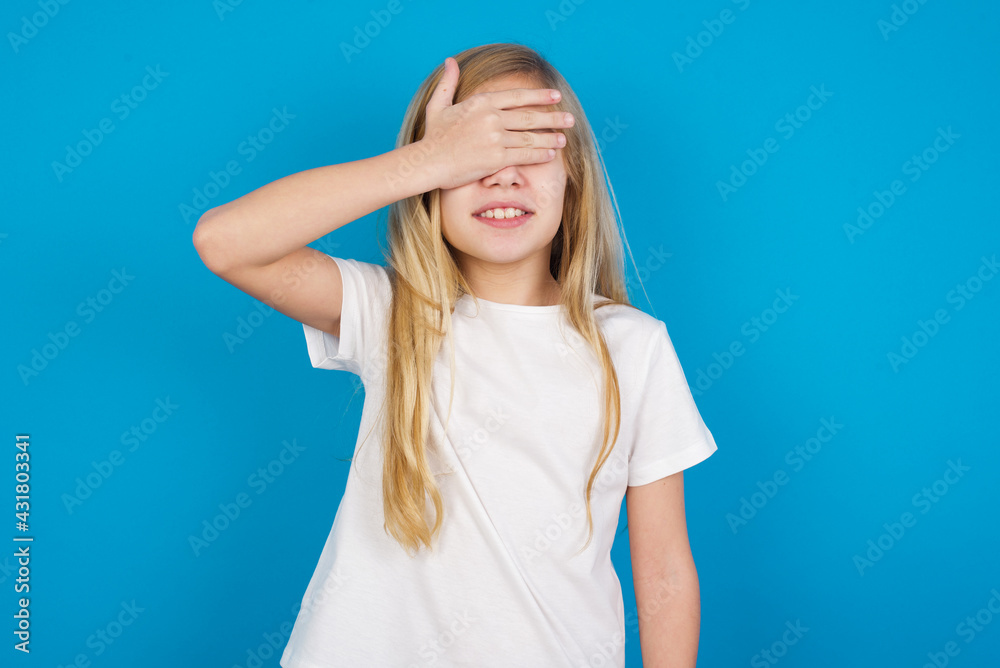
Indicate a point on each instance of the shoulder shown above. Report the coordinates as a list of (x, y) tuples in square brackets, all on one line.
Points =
[(369, 270), (365, 277), (627, 324), (634, 337)]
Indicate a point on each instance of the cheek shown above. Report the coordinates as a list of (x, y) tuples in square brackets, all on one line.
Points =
[(554, 188), (450, 208), (554, 173), (455, 205), (447, 226)]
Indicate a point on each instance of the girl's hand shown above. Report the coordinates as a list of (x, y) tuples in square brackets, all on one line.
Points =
[(479, 137)]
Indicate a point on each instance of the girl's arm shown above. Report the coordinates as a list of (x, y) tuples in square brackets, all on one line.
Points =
[(663, 573), (258, 242)]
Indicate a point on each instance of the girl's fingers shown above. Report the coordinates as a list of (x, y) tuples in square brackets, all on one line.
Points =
[(444, 93), (529, 156), (534, 140), (522, 97), (536, 120)]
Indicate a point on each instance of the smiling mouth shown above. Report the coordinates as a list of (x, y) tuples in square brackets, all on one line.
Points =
[(502, 212), (514, 221)]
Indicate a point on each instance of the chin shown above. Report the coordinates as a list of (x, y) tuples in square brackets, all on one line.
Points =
[(499, 245), (497, 255)]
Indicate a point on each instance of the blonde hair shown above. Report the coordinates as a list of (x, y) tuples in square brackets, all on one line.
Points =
[(426, 281)]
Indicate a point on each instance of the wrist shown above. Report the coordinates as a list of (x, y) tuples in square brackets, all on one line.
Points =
[(416, 170)]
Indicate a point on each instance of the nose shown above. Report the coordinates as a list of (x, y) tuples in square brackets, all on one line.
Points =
[(507, 176)]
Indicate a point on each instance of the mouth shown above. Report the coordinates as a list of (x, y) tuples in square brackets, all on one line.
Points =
[(504, 222), (503, 213), (505, 206)]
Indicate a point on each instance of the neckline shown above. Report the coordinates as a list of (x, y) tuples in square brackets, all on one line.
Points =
[(520, 308)]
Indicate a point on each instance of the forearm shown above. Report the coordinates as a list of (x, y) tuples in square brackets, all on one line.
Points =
[(280, 217), (669, 609)]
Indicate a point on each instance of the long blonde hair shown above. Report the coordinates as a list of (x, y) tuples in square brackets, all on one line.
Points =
[(587, 258)]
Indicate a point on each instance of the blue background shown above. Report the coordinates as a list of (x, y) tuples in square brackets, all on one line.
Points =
[(710, 262)]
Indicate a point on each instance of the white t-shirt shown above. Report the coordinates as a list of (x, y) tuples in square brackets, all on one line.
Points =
[(502, 586)]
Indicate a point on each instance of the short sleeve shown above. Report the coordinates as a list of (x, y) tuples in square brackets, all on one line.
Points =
[(363, 317), (669, 433)]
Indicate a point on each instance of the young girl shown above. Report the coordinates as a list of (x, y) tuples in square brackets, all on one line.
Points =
[(513, 395)]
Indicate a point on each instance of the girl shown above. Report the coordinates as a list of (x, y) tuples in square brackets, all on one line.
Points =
[(513, 396)]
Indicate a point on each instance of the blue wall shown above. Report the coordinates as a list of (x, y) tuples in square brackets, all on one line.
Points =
[(809, 192)]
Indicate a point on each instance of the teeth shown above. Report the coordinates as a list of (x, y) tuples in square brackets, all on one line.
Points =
[(509, 212)]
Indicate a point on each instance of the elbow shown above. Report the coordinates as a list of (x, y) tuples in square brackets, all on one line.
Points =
[(203, 240)]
